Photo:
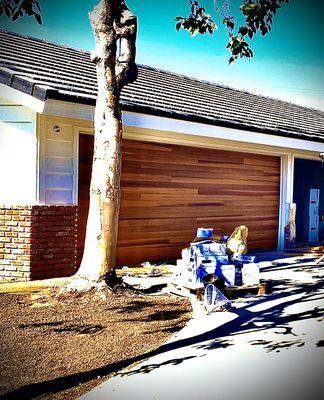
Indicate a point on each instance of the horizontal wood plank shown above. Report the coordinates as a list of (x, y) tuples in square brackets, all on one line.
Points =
[(168, 191)]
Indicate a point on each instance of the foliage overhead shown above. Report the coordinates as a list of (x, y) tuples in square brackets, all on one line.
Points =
[(15, 9), (258, 17), (198, 20)]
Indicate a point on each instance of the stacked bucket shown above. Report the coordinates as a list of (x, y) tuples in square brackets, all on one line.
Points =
[(206, 256)]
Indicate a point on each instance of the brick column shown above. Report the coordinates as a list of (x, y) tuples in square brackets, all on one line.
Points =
[(37, 242)]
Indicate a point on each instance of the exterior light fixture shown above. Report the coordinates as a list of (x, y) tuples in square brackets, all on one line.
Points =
[(56, 129)]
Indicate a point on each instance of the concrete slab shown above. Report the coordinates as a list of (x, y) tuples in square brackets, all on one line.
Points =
[(269, 347)]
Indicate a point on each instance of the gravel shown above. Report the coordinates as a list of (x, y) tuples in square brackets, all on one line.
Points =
[(61, 347)]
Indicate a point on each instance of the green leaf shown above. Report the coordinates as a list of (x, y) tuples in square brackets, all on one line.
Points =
[(243, 30)]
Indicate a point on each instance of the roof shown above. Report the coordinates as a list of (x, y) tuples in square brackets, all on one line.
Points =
[(51, 71)]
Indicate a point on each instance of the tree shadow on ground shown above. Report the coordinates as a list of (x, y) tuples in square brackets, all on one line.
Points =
[(165, 315), (66, 326), (137, 305), (269, 316), (280, 266)]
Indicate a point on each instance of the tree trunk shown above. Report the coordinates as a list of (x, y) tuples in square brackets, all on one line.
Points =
[(112, 23)]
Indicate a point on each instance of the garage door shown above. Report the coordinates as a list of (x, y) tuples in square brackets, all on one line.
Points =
[(170, 190)]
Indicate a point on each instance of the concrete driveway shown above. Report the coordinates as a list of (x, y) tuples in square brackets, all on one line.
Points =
[(269, 347)]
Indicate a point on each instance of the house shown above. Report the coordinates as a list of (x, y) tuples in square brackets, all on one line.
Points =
[(194, 154)]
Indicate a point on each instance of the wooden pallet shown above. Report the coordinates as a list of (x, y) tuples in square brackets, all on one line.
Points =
[(234, 291), (307, 250), (182, 291), (230, 291)]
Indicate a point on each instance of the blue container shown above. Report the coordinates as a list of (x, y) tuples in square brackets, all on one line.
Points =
[(205, 232), (225, 238), (243, 259)]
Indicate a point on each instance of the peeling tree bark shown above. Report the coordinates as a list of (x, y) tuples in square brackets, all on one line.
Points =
[(115, 29)]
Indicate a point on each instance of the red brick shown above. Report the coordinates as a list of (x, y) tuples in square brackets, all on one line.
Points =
[(20, 240), (18, 218), (3, 217), (48, 256), (5, 240), (18, 263), (26, 224), (5, 251), (62, 233), (25, 257), (11, 256), (11, 234), (8, 266), (70, 217), (23, 246), (67, 260), (18, 251), (12, 223), (27, 264), (39, 238), (25, 235), (54, 218), (11, 245), (46, 234), (68, 271), (14, 272), (36, 263), (25, 212), (51, 261)]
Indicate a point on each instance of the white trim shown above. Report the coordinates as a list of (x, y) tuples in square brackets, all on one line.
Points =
[(217, 132), (286, 194), (132, 119), (42, 160), (69, 110), (38, 156), (21, 98), (75, 166)]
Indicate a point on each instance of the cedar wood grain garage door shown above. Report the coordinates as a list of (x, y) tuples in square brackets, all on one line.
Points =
[(170, 190)]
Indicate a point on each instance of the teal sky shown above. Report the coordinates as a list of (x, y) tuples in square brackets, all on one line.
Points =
[(288, 64)]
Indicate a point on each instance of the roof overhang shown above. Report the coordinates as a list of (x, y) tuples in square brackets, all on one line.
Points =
[(149, 118), (20, 97), (234, 135)]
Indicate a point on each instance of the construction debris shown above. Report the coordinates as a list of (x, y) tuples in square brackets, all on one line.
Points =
[(215, 266)]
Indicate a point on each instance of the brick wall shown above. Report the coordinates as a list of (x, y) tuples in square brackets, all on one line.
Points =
[(37, 242)]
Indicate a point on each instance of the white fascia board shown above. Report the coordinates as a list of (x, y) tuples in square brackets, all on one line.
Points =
[(86, 112), (21, 98), (217, 132), (69, 110)]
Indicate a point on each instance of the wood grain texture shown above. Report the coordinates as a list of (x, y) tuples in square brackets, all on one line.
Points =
[(169, 190)]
